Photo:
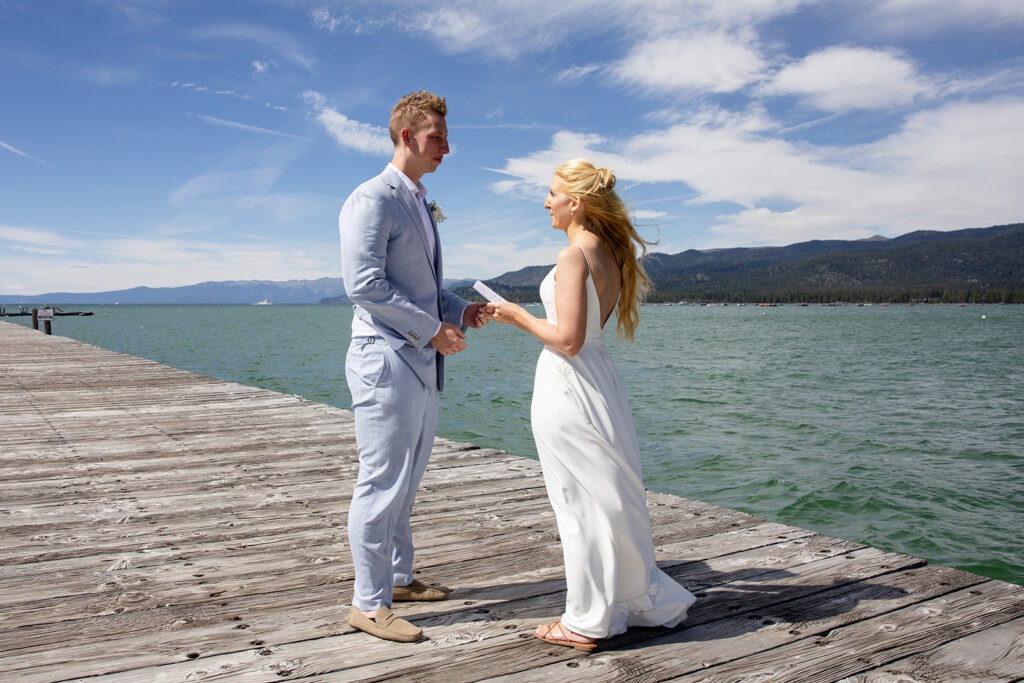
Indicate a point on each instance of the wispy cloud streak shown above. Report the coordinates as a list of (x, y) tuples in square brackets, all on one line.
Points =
[(15, 150), (244, 126)]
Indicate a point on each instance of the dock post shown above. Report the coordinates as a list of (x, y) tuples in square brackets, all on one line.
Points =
[(46, 315)]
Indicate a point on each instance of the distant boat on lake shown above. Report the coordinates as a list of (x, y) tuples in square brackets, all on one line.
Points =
[(265, 302)]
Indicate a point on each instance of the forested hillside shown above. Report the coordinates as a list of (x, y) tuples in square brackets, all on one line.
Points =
[(974, 265)]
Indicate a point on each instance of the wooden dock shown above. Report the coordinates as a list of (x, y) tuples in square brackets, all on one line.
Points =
[(158, 525)]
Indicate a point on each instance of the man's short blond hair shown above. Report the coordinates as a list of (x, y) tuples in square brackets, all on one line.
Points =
[(411, 112)]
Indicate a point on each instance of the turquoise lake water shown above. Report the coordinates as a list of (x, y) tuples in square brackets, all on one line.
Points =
[(899, 427)]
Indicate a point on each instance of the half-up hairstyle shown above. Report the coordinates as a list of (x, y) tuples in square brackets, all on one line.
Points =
[(606, 216)]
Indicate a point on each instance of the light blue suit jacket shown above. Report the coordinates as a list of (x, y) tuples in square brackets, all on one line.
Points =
[(388, 274)]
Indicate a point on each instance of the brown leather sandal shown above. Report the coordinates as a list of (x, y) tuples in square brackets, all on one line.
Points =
[(546, 632)]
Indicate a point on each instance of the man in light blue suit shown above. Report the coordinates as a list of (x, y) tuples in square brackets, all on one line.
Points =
[(404, 324)]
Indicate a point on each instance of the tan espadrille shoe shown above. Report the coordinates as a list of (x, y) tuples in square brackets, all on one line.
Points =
[(385, 625), (417, 591)]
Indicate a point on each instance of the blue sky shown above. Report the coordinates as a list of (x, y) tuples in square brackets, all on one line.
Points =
[(169, 142)]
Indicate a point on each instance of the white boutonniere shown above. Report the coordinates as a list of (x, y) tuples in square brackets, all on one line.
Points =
[(436, 212)]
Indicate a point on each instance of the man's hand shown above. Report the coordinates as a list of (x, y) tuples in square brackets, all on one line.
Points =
[(475, 316), (448, 340), (503, 312)]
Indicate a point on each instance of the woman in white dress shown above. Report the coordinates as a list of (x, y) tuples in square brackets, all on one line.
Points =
[(582, 422)]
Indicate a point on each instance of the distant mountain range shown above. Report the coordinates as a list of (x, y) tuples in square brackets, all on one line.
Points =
[(978, 264), (227, 292)]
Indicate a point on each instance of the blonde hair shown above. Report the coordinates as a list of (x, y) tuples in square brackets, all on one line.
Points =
[(607, 217), (411, 112)]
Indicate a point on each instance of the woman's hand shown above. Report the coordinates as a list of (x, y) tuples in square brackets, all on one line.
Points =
[(504, 312)]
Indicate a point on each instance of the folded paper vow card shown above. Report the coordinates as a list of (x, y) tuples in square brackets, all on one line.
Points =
[(487, 293)]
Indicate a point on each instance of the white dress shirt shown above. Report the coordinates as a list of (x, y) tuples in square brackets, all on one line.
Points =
[(419, 193)]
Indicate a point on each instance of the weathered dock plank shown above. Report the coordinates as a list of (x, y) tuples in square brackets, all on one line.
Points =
[(990, 655), (161, 525)]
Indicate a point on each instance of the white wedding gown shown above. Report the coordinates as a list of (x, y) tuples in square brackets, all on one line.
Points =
[(591, 461)]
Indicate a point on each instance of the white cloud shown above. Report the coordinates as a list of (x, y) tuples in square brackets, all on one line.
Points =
[(844, 78), (457, 29), (576, 73), (103, 265), (690, 47), (347, 132), (240, 192), (137, 13), (244, 126), (108, 76), (20, 237), (202, 88), (959, 165), (15, 150), (56, 262), (702, 62), (533, 173), (510, 29), (504, 30), (726, 16), (947, 168), (491, 253), (322, 18), (223, 184), (281, 43), (297, 208), (39, 250), (220, 198), (950, 167), (661, 18), (236, 198), (922, 16)]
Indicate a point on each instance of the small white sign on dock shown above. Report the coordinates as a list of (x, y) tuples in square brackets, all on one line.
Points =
[(45, 314)]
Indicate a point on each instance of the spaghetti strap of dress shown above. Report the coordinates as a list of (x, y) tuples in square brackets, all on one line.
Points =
[(585, 258), (590, 274)]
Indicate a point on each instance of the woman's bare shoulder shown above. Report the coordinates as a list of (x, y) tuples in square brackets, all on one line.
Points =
[(571, 256), (570, 251), (571, 265)]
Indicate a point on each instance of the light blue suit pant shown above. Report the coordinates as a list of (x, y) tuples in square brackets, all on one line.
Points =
[(396, 417)]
